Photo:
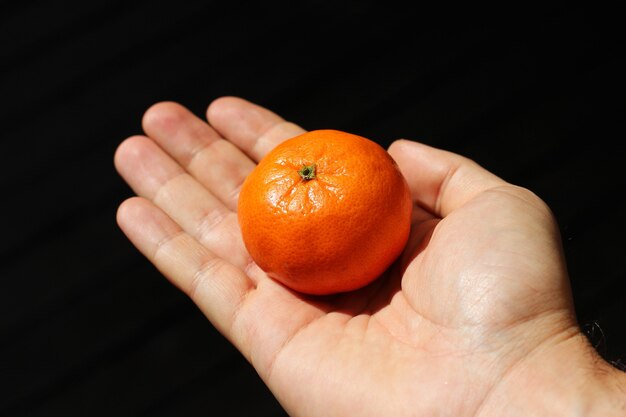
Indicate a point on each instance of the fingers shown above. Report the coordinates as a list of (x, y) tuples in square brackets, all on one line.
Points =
[(193, 174), (440, 181), (216, 286), (254, 129), (154, 175), (216, 163)]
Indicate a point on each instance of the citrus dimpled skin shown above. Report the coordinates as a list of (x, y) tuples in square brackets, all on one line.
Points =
[(325, 212)]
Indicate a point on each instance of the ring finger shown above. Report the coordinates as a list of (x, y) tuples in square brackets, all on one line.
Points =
[(153, 174)]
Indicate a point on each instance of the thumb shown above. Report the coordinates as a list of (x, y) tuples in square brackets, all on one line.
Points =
[(440, 181)]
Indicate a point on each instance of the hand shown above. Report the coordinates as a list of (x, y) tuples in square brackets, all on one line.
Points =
[(475, 319)]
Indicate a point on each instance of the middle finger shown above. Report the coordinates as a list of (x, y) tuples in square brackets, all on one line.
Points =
[(216, 163)]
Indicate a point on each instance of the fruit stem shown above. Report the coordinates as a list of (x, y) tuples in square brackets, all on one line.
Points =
[(307, 172)]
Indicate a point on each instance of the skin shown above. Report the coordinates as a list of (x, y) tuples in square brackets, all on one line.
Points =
[(475, 319)]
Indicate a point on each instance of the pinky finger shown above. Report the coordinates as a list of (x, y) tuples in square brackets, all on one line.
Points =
[(216, 286)]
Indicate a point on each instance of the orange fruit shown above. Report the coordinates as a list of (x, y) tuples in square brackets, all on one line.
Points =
[(325, 212)]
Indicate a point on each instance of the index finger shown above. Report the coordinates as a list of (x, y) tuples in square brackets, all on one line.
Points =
[(254, 129)]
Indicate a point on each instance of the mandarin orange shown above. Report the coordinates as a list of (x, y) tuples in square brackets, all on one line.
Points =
[(325, 212)]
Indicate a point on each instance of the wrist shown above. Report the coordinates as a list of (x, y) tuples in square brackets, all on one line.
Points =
[(563, 377)]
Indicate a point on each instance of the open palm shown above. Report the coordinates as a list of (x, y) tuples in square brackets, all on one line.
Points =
[(480, 289)]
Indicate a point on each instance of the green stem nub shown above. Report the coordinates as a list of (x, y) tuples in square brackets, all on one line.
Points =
[(307, 172)]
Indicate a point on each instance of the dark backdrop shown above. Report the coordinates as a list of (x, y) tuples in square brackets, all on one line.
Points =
[(89, 328)]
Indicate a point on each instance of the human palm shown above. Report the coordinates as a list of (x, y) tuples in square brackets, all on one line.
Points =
[(480, 288)]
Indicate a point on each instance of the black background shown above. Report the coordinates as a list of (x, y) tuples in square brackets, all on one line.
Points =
[(89, 328)]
